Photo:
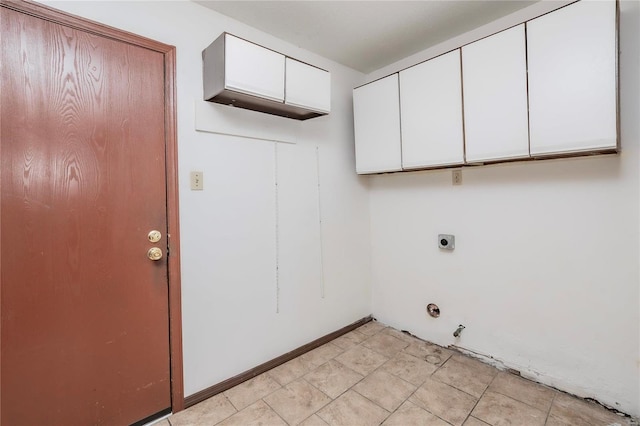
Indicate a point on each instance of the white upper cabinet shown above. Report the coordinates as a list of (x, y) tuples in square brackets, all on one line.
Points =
[(307, 86), (246, 75), (431, 107), (494, 73), (572, 79), (253, 69), (376, 112), (544, 88)]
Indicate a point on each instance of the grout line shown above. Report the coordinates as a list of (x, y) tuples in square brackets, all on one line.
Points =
[(431, 377), (373, 402), (461, 390), (553, 400), (231, 415), (230, 403), (272, 409), (382, 331), (524, 402), (483, 393)]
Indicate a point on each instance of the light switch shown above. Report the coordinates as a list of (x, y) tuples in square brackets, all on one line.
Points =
[(197, 181)]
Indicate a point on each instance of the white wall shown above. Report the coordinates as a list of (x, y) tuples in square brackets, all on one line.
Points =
[(228, 230), (545, 273)]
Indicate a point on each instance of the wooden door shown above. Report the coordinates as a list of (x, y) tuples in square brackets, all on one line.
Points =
[(85, 316)]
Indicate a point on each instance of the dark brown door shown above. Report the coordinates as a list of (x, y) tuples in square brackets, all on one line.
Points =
[(84, 311)]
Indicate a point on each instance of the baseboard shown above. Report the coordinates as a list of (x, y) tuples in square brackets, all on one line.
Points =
[(256, 371)]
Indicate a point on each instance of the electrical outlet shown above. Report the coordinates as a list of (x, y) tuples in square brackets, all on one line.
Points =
[(446, 241), (197, 181), (456, 177)]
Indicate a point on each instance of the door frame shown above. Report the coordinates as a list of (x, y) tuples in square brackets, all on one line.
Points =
[(173, 231)]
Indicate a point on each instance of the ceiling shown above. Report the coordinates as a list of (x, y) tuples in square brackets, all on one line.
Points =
[(366, 35)]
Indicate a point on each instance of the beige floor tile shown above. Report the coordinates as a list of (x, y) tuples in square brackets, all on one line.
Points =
[(400, 335), (290, 371), (475, 364), (557, 421), (297, 401), (523, 390), (252, 390), (385, 389), (362, 360), (385, 344), (374, 370), (468, 375), (210, 411), (349, 340), (444, 401), (256, 414), (472, 421), (333, 378), (552, 420), (407, 367), (570, 410), (371, 328), (314, 421), (324, 353), (500, 410), (353, 409), (431, 353), (410, 414)]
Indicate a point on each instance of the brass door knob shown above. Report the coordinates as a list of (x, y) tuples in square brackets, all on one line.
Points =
[(154, 236), (154, 253)]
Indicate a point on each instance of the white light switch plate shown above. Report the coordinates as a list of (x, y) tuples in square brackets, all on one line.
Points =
[(197, 181)]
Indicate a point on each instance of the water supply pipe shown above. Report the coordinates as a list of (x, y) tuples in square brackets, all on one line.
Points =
[(458, 331)]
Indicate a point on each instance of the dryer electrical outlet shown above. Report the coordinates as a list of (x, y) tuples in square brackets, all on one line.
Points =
[(446, 241)]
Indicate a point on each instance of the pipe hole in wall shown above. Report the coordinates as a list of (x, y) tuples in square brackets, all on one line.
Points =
[(433, 310)]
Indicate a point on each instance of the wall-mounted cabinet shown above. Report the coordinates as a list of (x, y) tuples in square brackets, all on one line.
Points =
[(494, 72), (376, 108), (307, 86), (245, 75), (547, 87), (241, 60), (573, 79), (431, 113)]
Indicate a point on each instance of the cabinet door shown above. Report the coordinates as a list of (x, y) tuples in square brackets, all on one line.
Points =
[(572, 79), (307, 86), (253, 69), (376, 113), (494, 81), (431, 108)]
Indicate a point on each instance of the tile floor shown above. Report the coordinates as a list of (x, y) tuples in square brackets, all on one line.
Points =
[(377, 375)]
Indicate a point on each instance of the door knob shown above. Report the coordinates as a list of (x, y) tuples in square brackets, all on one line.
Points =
[(154, 253), (154, 236)]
